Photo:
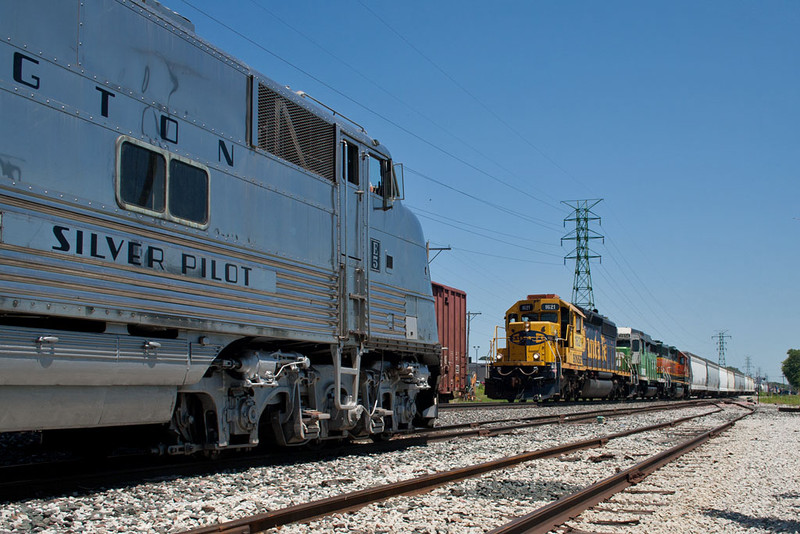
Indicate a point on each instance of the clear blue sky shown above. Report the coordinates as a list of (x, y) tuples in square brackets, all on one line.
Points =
[(683, 116)]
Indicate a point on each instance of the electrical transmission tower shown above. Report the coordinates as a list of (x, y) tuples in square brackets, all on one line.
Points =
[(747, 364), (721, 335), (582, 294)]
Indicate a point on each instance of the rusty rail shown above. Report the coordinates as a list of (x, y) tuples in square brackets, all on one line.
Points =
[(536, 420), (556, 513), (358, 499)]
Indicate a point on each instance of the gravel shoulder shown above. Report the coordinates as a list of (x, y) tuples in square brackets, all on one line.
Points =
[(746, 480)]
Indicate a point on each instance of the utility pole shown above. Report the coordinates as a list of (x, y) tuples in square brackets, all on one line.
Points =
[(582, 293), (470, 316), (721, 335), (438, 250)]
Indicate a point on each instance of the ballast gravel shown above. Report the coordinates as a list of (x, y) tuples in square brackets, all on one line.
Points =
[(742, 481), (746, 480)]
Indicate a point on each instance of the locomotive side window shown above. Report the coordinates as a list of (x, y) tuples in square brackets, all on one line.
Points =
[(153, 181), (142, 177), (350, 162), (377, 168), (188, 192)]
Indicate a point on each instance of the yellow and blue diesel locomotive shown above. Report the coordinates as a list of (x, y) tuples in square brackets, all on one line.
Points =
[(555, 349)]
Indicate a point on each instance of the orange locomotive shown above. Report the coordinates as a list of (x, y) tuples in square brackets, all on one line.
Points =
[(673, 372)]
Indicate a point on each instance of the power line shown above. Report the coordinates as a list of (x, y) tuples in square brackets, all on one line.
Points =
[(424, 116), (438, 217), (494, 239), (474, 98), (539, 222), (525, 260), (367, 108)]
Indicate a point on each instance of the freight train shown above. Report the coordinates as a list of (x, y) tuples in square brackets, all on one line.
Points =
[(556, 350), (188, 245)]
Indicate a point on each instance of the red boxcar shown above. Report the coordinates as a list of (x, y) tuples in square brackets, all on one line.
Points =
[(451, 318)]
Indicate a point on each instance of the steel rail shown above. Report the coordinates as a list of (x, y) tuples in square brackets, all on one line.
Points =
[(478, 428), (360, 498), (455, 406), (562, 418), (556, 513)]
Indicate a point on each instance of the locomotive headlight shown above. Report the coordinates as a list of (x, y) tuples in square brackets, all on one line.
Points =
[(536, 356)]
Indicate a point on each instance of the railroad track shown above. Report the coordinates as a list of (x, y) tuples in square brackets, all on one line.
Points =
[(357, 499), (53, 478), (555, 514), (455, 406)]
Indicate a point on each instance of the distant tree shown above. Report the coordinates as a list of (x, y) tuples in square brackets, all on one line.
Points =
[(791, 367)]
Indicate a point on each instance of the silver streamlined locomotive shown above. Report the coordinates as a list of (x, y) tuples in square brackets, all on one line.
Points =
[(184, 242)]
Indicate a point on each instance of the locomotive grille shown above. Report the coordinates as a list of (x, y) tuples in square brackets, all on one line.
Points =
[(295, 134)]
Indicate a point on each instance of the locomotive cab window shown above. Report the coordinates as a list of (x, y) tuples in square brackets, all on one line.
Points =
[(350, 162), (153, 181), (384, 180), (550, 317), (377, 175)]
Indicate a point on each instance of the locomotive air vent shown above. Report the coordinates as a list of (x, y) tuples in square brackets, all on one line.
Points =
[(295, 134)]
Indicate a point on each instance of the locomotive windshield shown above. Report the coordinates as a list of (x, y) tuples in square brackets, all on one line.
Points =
[(550, 317)]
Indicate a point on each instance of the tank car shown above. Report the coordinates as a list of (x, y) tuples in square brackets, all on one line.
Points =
[(555, 349), (186, 243)]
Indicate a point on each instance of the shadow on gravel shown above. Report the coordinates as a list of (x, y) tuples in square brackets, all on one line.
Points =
[(769, 524), (502, 489)]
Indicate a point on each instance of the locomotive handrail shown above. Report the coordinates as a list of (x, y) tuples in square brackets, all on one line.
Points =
[(303, 94)]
